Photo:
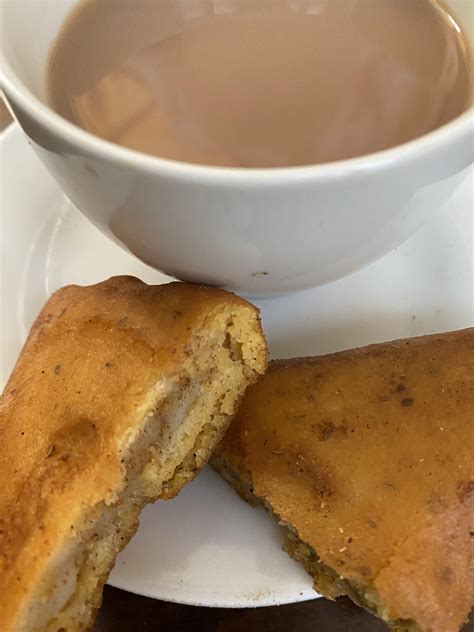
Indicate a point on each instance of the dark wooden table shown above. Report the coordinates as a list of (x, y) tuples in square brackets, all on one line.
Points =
[(125, 612)]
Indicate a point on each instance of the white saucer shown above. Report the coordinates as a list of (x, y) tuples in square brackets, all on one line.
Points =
[(207, 547)]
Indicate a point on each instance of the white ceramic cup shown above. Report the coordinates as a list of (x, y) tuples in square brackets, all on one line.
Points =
[(259, 231)]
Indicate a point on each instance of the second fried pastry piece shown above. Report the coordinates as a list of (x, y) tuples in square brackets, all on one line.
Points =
[(366, 458)]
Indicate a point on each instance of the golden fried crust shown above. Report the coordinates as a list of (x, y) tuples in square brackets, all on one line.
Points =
[(92, 356), (368, 454)]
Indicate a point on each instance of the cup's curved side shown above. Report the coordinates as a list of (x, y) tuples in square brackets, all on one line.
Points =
[(257, 239)]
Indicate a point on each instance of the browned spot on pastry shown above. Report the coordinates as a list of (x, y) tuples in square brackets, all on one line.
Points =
[(325, 430), (465, 489), (320, 480), (446, 574), (73, 439), (364, 571), (435, 503)]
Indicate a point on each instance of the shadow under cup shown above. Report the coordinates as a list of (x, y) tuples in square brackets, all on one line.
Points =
[(255, 231)]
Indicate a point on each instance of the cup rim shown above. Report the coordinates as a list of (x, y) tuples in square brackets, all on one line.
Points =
[(95, 146)]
